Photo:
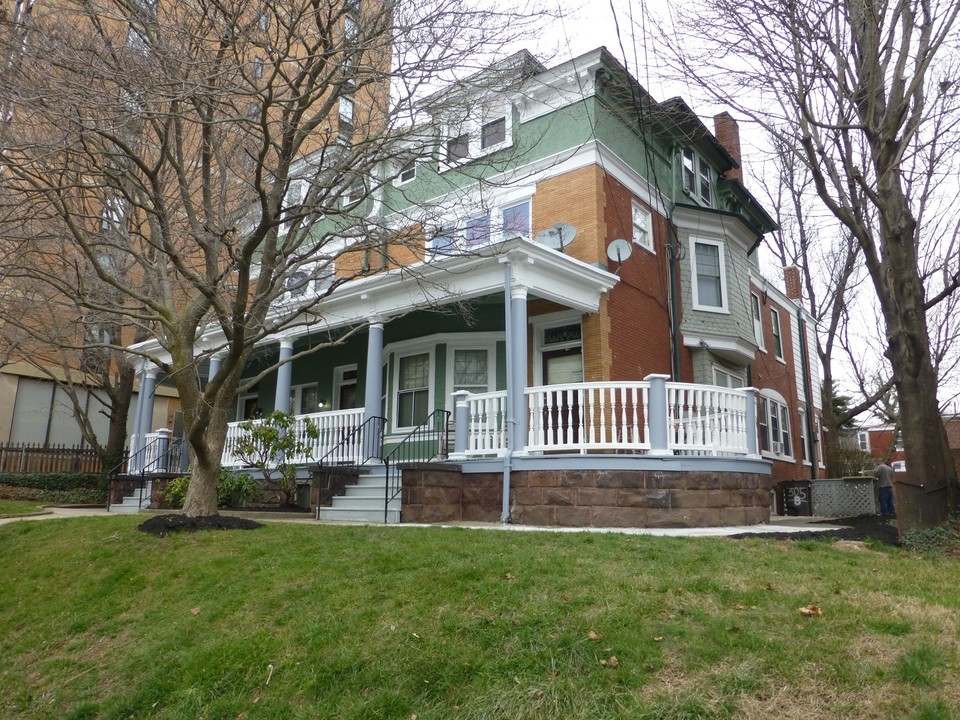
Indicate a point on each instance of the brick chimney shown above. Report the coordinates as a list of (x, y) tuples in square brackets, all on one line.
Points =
[(791, 279), (728, 135)]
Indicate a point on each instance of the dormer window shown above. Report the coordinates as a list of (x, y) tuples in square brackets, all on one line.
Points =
[(458, 148), (493, 133), (408, 172), (697, 176)]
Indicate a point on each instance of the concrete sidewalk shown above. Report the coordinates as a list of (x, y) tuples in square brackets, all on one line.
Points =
[(789, 524)]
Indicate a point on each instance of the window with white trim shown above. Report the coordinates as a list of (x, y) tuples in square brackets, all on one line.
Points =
[(304, 399), (708, 272), (471, 370), (408, 172), (476, 232), (777, 333), (773, 427), (804, 437), (516, 221), (697, 176), (493, 133), (863, 440), (413, 389), (345, 387), (458, 148), (757, 320), (899, 466), (641, 221), (727, 379), (306, 282)]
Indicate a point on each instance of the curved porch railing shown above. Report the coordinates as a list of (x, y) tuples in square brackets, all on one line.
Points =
[(614, 416)]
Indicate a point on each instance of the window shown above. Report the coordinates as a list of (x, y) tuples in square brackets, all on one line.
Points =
[(697, 176), (516, 221), (705, 182), (899, 466), (304, 399), (708, 287), (689, 169), (297, 284), (470, 371), (773, 427), (248, 407), (727, 379), (350, 28), (493, 133), (408, 172), (757, 320), (442, 244), (641, 227), (777, 338), (477, 232), (354, 193), (863, 440), (293, 202), (263, 22), (346, 115), (458, 148), (345, 387), (258, 68), (804, 439), (413, 389)]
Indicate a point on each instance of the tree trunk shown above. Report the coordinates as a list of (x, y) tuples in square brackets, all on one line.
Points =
[(929, 461), (205, 438)]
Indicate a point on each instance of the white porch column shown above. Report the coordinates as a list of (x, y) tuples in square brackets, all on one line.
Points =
[(148, 386), (215, 361), (657, 416), (751, 422), (373, 388), (281, 402), (517, 357)]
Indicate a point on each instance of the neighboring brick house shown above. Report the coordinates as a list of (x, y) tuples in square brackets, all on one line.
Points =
[(604, 249), (786, 374)]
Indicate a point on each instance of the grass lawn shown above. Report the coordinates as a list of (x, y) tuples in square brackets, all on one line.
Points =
[(11, 508), (98, 620)]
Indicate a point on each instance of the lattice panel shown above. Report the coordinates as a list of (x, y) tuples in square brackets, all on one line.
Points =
[(843, 498)]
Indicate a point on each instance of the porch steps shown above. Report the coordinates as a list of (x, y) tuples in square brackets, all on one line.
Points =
[(363, 502), (131, 504)]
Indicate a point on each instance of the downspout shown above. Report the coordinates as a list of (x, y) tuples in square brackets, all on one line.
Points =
[(807, 397), (511, 384), (674, 300)]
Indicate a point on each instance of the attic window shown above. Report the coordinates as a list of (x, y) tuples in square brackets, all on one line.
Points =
[(458, 148), (408, 172), (493, 133)]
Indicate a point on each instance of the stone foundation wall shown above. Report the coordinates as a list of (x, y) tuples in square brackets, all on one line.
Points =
[(587, 498)]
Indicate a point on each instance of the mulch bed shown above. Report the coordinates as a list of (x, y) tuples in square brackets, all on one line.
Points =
[(164, 524), (862, 527)]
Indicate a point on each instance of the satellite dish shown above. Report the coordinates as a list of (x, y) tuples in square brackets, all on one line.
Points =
[(557, 237), (619, 250)]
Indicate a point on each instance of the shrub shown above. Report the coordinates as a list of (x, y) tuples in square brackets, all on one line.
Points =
[(55, 488), (232, 489), (268, 445)]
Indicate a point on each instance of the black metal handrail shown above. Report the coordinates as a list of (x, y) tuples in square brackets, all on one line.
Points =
[(360, 445), (363, 443), (434, 434), (164, 462)]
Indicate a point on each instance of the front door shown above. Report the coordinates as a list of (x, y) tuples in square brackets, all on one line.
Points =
[(562, 417)]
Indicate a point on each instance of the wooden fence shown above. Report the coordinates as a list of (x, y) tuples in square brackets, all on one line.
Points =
[(27, 458)]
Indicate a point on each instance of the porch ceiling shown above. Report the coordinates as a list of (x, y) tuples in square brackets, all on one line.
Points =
[(545, 273)]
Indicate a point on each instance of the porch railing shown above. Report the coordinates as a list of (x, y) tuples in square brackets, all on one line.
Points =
[(614, 416), (706, 420), (332, 426)]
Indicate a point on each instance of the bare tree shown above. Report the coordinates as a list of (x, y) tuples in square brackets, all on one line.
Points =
[(864, 95), (200, 159)]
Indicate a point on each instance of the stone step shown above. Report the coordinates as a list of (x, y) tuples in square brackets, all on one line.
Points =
[(358, 515)]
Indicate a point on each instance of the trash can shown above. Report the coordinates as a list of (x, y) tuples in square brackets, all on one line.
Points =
[(796, 497)]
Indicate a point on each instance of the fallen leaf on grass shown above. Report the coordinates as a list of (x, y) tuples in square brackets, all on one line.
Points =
[(610, 662), (592, 636), (195, 611), (810, 611), (657, 638), (509, 576)]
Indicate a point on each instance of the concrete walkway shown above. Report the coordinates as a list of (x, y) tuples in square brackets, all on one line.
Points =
[(776, 524)]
